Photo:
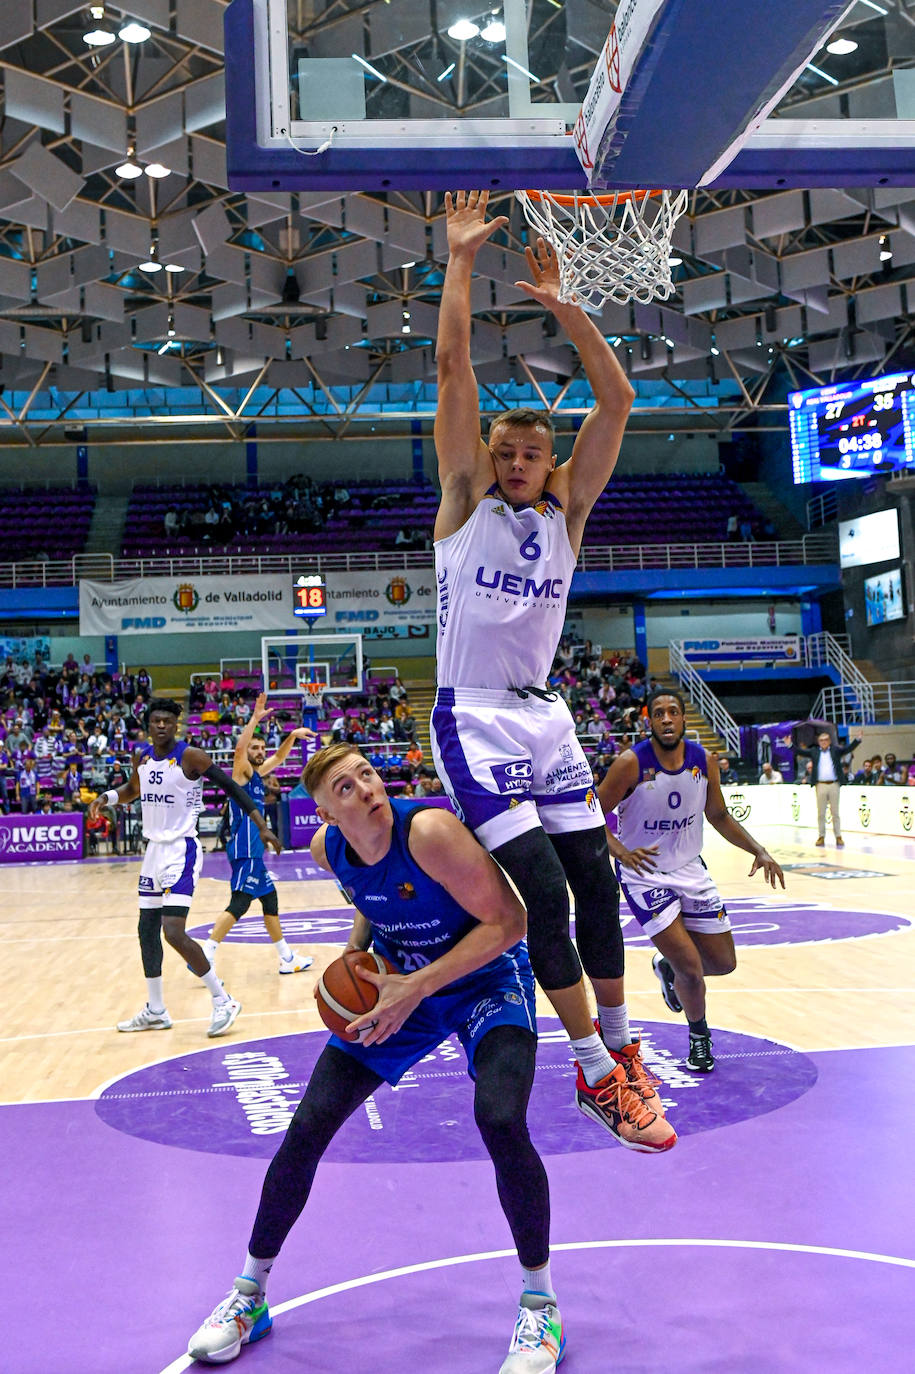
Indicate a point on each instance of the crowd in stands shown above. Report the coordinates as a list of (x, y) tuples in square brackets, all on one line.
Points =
[(67, 733), (607, 696), (301, 515)]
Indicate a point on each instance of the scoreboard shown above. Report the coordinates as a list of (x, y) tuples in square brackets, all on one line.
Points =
[(309, 598), (853, 429)]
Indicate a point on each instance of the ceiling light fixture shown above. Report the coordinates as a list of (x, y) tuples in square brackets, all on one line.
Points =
[(886, 251), (462, 29), (447, 72), (368, 67), (129, 169), (133, 32), (494, 31), (517, 65), (174, 267), (99, 38), (674, 262), (152, 263), (157, 170), (841, 47), (825, 75)]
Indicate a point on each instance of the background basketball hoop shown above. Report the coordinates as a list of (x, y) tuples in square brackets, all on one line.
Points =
[(613, 247)]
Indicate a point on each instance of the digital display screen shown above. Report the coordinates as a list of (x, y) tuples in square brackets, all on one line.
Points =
[(869, 539), (883, 597), (853, 429), (309, 598)]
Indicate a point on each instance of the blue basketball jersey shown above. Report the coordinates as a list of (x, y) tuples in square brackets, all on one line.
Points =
[(413, 919), (244, 837)]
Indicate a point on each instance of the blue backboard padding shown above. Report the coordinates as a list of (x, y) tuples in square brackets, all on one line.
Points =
[(705, 73)]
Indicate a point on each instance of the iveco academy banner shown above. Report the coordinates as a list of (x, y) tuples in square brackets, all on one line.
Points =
[(170, 605), (24, 839), (381, 601)]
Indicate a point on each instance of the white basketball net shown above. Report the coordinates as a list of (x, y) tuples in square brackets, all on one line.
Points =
[(610, 248)]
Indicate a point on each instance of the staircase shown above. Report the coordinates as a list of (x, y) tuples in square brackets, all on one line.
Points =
[(787, 526), (422, 698), (106, 532)]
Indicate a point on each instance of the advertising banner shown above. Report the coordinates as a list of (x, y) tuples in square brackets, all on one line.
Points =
[(37, 838), (379, 601), (174, 605), (773, 649), (303, 822), (19, 647), (862, 810)]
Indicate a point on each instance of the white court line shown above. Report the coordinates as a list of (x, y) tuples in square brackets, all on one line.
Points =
[(184, 1361), (181, 1021)]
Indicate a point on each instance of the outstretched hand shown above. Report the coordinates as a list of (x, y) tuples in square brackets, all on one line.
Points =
[(544, 267), (465, 215), (261, 709)]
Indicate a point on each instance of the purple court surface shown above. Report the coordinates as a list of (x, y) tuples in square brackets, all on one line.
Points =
[(777, 1236)]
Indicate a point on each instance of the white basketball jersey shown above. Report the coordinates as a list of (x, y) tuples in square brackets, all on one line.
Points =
[(170, 801), (666, 809), (503, 585)]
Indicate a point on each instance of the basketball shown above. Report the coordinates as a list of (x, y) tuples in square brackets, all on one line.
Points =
[(342, 995)]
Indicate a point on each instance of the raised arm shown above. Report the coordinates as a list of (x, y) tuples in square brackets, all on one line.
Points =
[(579, 482), (302, 732), (197, 763), (464, 465), (241, 768)]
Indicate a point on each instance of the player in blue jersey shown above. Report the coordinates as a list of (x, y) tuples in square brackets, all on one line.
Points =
[(245, 848), (662, 789), (167, 777), (433, 902), (507, 536)]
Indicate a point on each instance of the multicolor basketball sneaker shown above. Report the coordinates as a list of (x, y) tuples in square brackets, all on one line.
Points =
[(616, 1106), (240, 1319), (538, 1343)]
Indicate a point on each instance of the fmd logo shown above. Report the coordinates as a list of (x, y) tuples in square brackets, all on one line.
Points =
[(142, 622)]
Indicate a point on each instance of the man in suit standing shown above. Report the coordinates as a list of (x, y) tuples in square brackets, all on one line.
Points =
[(827, 777)]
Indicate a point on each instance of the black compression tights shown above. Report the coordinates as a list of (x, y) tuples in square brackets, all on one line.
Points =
[(340, 1084), (150, 933), (540, 865)]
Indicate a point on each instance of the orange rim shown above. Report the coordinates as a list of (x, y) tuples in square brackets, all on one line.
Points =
[(620, 196)]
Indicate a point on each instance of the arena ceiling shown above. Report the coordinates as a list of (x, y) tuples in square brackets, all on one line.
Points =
[(305, 297)]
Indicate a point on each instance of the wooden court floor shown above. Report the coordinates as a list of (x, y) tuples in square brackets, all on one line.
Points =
[(70, 964)]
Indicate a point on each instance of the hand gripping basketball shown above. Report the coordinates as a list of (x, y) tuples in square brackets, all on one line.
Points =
[(343, 996)]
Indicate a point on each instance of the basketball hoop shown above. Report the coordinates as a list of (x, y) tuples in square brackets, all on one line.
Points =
[(613, 247)]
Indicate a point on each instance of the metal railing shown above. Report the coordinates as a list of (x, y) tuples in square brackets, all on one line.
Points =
[(893, 703), (103, 567), (703, 698), (825, 650), (822, 509)]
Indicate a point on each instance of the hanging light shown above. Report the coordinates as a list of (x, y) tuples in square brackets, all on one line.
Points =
[(133, 32), (841, 47), (152, 263), (886, 251), (174, 267), (99, 38), (129, 169), (157, 170), (462, 29), (494, 31)]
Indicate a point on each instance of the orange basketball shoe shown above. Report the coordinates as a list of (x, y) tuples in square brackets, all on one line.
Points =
[(616, 1106), (640, 1079)]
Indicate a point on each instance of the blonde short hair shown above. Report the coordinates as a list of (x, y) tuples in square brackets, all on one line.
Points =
[(317, 767)]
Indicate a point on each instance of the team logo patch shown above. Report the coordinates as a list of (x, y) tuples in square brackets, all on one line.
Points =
[(406, 890), (514, 998), (186, 598), (544, 508), (566, 753), (591, 799), (697, 773), (513, 777)]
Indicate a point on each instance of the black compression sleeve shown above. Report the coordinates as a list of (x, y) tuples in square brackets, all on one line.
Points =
[(231, 789)]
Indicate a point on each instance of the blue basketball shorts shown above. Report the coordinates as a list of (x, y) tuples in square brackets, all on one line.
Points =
[(251, 877), (503, 996)]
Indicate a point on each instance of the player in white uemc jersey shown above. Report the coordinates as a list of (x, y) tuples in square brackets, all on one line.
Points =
[(507, 537), (167, 777), (661, 789)]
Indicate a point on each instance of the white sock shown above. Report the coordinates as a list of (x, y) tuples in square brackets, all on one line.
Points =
[(594, 1058), (282, 948), (155, 998), (210, 947), (211, 982), (258, 1270), (614, 1026), (538, 1281)]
